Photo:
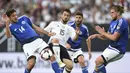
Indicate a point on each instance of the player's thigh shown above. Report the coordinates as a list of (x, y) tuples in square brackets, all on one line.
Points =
[(31, 48), (64, 53), (70, 54), (78, 56), (118, 57), (109, 54), (43, 45)]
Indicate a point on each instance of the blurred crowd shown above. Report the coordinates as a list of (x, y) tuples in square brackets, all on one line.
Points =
[(41, 12)]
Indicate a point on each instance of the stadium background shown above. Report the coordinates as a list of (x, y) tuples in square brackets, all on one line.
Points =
[(41, 12)]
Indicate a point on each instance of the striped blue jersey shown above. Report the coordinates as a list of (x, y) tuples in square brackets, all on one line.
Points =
[(120, 26), (82, 35), (22, 30)]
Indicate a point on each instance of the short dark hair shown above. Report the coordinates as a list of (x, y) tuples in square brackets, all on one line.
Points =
[(67, 10), (79, 13), (10, 11)]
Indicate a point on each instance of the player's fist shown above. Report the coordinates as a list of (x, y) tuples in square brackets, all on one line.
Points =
[(77, 30), (68, 46), (51, 34)]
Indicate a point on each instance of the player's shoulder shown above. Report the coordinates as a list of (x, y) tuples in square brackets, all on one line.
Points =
[(69, 27), (23, 17), (55, 22), (84, 26), (121, 21), (70, 23)]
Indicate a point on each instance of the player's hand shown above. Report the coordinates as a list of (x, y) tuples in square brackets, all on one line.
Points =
[(77, 30), (68, 46), (5, 18), (51, 34), (90, 55), (99, 29)]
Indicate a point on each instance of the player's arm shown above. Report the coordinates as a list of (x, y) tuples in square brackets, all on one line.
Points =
[(7, 23), (36, 28), (88, 41), (39, 30), (109, 36)]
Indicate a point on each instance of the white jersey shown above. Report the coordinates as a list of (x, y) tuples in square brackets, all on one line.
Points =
[(63, 32)]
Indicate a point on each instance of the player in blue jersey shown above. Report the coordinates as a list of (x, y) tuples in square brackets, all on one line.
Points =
[(74, 47), (26, 33), (118, 36)]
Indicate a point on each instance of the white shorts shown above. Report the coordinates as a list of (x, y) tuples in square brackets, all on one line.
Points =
[(35, 46), (75, 53), (111, 54)]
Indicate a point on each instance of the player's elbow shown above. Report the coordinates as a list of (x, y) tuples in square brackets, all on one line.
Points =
[(114, 38)]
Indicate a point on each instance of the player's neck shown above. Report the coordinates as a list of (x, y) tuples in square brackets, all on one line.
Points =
[(119, 17), (63, 22)]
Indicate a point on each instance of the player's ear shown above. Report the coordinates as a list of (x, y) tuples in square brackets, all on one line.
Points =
[(118, 13)]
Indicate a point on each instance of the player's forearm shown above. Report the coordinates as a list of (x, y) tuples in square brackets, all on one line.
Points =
[(109, 36), (89, 45), (101, 37), (8, 33), (41, 31)]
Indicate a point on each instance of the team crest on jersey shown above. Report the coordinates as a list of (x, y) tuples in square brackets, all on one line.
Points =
[(23, 22), (118, 27)]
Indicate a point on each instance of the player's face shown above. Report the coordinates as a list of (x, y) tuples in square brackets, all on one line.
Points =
[(78, 19), (13, 17), (114, 14), (65, 17)]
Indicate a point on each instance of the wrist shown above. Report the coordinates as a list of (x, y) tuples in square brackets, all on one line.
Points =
[(47, 33), (97, 35)]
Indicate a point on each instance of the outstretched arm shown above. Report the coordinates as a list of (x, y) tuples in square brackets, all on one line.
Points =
[(41, 31), (109, 36)]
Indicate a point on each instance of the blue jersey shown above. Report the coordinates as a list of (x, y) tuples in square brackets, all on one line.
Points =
[(82, 35), (22, 30), (120, 26)]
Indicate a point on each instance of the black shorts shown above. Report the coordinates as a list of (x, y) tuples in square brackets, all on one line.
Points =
[(63, 52)]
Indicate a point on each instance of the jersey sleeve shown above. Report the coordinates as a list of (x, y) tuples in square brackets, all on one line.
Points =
[(86, 33), (49, 27), (120, 27), (28, 20)]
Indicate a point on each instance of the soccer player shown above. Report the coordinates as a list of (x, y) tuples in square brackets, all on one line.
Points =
[(74, 47), (118, 36), (25, 32), (63, 33)]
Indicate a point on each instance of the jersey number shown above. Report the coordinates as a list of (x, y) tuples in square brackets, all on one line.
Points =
[(21, 29), (62, 32)]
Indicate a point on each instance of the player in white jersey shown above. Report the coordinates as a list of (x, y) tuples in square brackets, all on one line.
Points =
[(63, 33)]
